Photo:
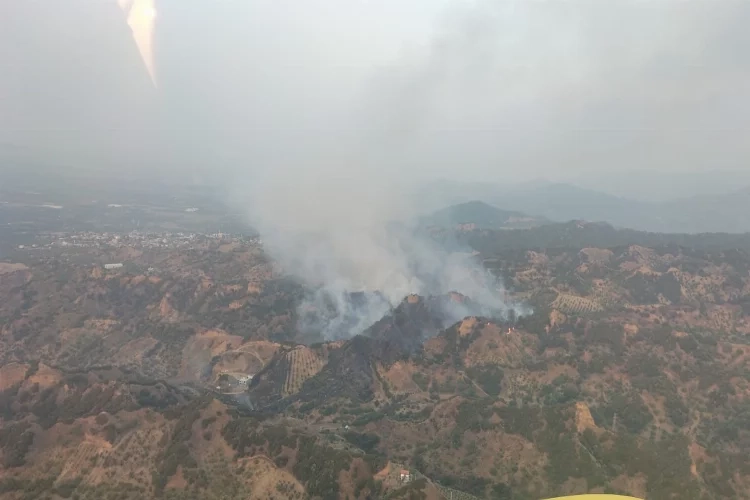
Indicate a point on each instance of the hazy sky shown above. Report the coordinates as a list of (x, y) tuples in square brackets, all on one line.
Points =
[(317, 115), (479, 90)]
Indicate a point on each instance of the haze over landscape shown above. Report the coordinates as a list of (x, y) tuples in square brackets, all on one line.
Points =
[(374, 249), (297, 111), (469, 90)]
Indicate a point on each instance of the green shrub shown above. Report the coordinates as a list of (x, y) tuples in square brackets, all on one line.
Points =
[(422, 380), (489, 377), (366, 442)]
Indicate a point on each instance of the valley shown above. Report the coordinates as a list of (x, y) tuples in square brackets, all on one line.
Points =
[(374, 250), (183, 374)]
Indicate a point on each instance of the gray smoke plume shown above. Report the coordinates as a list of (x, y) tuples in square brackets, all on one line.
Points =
[(338, 237), (505, 86), (498, 89), (348, 301), (334, 206), (321, 116)]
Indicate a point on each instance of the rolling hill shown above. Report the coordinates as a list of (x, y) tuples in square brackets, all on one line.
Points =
[(553, 201), (696, 214), (479, 215), (629, 374)]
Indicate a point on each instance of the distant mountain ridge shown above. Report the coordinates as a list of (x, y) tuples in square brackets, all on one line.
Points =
[(664, 187), (561, 202), (581, 234), (480, 215), (697, 214)]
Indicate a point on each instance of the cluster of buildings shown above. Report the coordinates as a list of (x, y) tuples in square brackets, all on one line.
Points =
[(134, 239), (233, 381)]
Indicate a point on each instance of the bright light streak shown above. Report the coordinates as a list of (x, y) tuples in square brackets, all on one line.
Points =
[(149, 13), (141, 15)]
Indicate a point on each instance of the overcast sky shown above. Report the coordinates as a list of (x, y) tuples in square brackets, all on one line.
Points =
[(474, 90)]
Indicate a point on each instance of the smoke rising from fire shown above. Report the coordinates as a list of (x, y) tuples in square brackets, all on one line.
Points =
[(337, 209), (489, 87), (321, 116), (475, 91)]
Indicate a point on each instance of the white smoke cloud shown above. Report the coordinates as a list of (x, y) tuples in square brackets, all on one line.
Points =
[(320, 116), (509, 85), (338, 236)]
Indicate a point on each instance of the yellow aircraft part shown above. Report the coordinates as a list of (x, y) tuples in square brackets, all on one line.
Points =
[(141, 16), (595, 497)]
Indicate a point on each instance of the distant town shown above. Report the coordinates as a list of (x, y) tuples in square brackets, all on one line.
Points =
[(134, 239)]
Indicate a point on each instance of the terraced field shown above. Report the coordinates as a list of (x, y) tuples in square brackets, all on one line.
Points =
[(573, 304), (80, 458), (451, 494), (303, 364)]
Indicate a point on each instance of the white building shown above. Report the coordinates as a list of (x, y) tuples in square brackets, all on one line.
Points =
[(117, 265)]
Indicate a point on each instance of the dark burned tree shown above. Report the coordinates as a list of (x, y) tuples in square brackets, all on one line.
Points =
[(15, 441)]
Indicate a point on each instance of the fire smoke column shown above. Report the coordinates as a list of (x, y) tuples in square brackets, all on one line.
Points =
[(141, 16)]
